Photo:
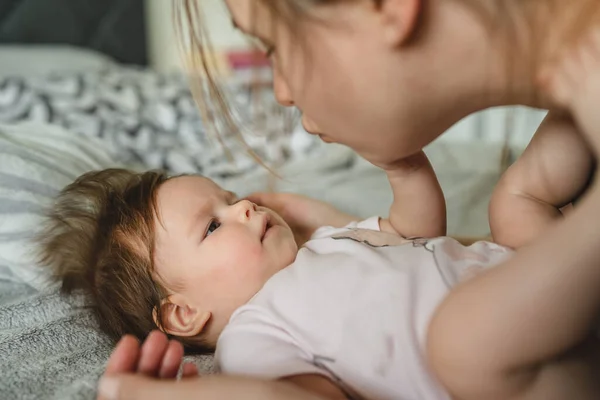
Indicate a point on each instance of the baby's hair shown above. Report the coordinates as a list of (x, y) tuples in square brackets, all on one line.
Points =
[(98, 238)]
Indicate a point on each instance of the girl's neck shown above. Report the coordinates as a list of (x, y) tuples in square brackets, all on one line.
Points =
[(504, 44)]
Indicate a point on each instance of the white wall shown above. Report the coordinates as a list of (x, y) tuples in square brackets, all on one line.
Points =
[(519, 123), (163, 50)]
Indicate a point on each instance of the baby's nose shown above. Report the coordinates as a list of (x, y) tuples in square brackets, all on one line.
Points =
[(246, 208)]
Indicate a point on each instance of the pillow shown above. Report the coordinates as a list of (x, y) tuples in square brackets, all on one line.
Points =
[(36, 162)]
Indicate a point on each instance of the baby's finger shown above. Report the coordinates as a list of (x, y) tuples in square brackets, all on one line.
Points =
[(124, 357), (171, 360), (152, 353), (190, 370)]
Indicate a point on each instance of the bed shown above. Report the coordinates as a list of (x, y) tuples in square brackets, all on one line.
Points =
[(68, 106)]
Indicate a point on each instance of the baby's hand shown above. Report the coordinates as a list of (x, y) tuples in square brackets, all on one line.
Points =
[(574, 83)]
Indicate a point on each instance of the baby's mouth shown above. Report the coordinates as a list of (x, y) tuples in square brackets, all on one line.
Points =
[(266, 228)]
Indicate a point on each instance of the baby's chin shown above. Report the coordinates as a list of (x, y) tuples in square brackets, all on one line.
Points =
[(281, 264)]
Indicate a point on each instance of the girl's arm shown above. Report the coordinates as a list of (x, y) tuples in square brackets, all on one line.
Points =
[(509, 333), (527, 329), (148, 372), (216, 387), (419, 207)]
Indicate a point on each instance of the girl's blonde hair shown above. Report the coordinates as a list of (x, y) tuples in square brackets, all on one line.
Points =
[(216, 109)]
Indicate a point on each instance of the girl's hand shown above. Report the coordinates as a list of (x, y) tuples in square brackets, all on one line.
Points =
[(135, 373), (419, 207), (574, 83), (156, 358), (303, 214)]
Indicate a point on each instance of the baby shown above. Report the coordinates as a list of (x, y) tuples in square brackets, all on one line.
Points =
[(186, 256)]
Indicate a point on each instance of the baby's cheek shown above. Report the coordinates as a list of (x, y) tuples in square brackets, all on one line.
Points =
[(247, 247), (245, 256)]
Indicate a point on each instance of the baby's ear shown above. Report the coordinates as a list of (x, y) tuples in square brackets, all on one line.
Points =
[(179, 319)]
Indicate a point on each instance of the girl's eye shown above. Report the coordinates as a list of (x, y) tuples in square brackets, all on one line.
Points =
[(213, 226)]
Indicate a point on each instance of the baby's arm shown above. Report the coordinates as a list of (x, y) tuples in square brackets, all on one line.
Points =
[(552, 172), (419, 208)]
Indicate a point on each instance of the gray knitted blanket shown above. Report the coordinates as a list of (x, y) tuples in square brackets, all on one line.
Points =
[(50, 347)]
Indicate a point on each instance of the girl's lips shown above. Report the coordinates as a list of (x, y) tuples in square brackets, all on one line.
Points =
[(322, 136), (312, 132), (325, 138), (308, 127)]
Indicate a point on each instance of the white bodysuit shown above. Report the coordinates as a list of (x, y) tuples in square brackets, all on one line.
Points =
[(354, 307)]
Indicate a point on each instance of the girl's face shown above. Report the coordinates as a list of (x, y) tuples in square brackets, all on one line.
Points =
[(338, 66)]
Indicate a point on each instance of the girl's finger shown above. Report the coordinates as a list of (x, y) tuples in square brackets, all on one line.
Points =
[(124, 357), (260, 198), (594, 42), (588, 56), (190, 370), (152, 353), (559, 85), (171, 360)]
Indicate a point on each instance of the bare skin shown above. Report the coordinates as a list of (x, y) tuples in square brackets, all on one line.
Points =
[(553, 171)]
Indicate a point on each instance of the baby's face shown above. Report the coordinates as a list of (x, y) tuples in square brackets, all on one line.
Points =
[(215, 251)]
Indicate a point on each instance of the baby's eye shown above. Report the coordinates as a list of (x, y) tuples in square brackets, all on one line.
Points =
[(213, 226)]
